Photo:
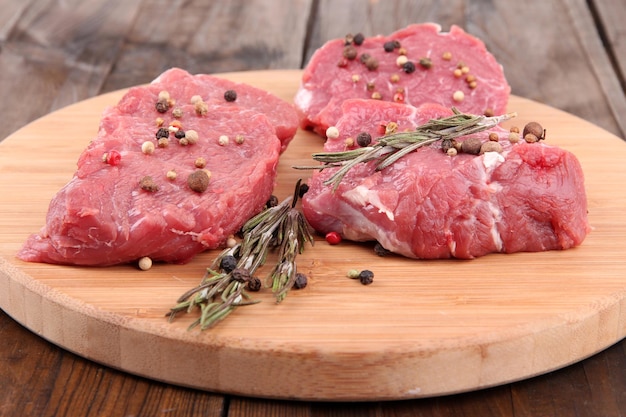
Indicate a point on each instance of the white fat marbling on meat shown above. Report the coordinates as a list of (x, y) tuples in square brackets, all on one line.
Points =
[(491, 160), (303, 98), (363, 196)]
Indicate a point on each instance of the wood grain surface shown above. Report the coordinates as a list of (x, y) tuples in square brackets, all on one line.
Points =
[(565, 53), (422, 329)]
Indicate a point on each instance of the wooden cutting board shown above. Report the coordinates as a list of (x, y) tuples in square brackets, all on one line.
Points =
[(423, 328)]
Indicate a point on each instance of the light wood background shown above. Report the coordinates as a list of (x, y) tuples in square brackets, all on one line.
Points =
[(568, 53)]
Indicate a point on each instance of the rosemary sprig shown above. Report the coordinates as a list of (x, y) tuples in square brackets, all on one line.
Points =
[(394, 146), (282, 227)]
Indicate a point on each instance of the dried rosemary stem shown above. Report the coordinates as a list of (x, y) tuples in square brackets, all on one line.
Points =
[(220, 292), (392, 147)]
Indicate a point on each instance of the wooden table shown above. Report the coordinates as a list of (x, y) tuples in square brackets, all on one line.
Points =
[(566, 54)]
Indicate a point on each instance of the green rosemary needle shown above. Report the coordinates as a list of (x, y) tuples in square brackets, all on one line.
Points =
[(394, 146), (282, 227)]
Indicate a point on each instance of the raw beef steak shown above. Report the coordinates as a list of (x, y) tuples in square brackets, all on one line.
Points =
[(429, 205), (451, 69), (136, 194)]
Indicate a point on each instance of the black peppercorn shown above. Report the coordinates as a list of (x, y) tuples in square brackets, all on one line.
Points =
[(240, 274), (408, 67), (162, 106), (162, 133), (358, 39), (254, 284), (364, 139), (366, 277), (364, 57), (272, 202), (389, 46), (230, 95), (179, 134), (228, 263), (300, 282), (302, 190), (380, 250)]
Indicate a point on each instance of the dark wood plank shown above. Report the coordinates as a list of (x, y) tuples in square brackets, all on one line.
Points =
[(610, 20), (40, 379), (58, 53), (550, 51), (211, 37)]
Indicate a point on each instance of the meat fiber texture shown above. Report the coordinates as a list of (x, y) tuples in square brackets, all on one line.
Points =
[(103, 216), (329, 78), (429, 205)]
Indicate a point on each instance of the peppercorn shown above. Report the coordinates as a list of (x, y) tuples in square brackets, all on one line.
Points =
[(254, 284), (458, 96), (240, 274), (147, 147), (353, 273), (148, 184), (162, 133), (300, 282), (490, 146), (493, 136), (408, 67), (191, 136), (364, 139), (358, 39), (272, 202), (471, 146), (371, 63), (179, 134), (389, 46), (535, 129), (177, 112), (333, 238), (230, 95), (426, 62), (144, 263), (112, 157), (198, 181), (446, 144), (350, 52), (364, 57), (302, 190), (380, 250), (332, 132), (366, 277), (162, 106)]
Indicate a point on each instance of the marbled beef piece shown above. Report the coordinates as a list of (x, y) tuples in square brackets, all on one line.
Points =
[(129, 204), (429, 205), (448, 68)]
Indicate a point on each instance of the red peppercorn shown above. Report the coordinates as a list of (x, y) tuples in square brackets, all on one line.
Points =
[(113, 158), (333, 238), (398, 98)]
